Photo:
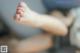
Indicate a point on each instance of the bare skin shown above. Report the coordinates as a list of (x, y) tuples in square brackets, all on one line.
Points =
[(50, 24), (67, 20), (31, 45)]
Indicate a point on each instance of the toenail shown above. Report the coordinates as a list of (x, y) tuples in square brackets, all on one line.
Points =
[(19, 8), (22, 4), (18, 11)]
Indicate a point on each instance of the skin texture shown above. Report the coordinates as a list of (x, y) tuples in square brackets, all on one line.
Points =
[(31, 45), (50, 24), (67, 20)]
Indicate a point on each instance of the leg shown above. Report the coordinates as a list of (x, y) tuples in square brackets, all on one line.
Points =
[(67, 20), (34, 44)]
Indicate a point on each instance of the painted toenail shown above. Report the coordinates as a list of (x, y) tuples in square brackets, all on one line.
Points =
[(19, 8)]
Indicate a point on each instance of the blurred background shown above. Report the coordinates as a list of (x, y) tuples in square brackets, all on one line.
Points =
[(9, 28)]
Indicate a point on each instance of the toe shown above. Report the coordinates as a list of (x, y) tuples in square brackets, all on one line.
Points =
[(20, 8), (20, 12), (17, 17), (22, 4)]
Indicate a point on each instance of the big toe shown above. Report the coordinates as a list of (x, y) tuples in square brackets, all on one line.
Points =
[(23, 4)]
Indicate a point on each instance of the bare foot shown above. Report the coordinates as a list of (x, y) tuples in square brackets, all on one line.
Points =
[(23, 14), (19, 12), (48, 23)]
